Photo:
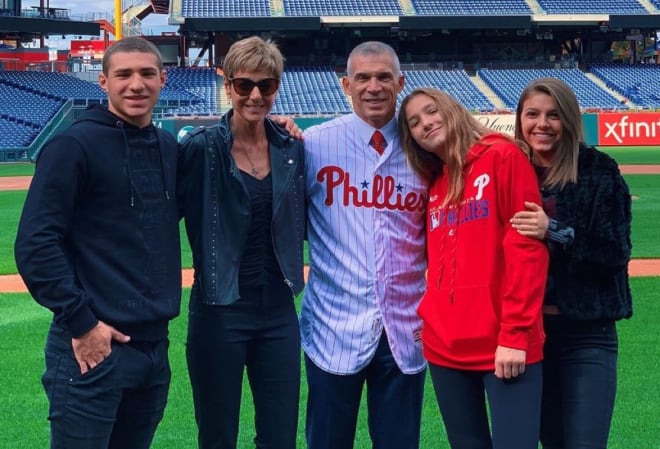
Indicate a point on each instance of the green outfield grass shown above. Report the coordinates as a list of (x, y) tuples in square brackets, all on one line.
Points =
[(17, 169), (646, 210), (11, 204), (645, 190), (634, 155), (23, 405)]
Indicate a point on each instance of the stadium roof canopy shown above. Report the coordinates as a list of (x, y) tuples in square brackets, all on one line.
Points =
[(161, 6), (411, 22), (19, 25)]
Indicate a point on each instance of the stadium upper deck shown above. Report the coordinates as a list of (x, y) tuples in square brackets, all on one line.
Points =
[(322, 8), (469, 31)]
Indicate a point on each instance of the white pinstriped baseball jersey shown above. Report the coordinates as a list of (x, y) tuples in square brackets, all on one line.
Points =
[(366, 235)]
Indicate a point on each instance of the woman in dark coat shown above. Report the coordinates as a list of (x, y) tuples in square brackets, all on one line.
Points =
[(585, 219)]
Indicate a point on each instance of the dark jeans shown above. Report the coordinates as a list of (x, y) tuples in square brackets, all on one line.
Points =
[(261, 334), (515, 407), (579, 384), (116, 405), (394, 403)]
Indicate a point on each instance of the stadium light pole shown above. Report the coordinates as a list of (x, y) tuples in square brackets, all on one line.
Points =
[(118, 20)]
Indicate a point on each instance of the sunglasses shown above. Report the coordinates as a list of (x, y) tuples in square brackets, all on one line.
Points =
[(245, 86)]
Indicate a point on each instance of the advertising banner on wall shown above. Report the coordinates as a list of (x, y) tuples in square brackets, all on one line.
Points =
[(632, 129), (504, 123)]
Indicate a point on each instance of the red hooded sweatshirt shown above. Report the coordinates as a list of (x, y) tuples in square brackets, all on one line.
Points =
[(485, 282)]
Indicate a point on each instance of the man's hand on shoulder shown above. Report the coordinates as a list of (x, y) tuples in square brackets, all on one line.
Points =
[(287, 122)]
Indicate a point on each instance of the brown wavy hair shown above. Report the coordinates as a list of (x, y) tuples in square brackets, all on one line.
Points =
[(565, 163), (463, 131)]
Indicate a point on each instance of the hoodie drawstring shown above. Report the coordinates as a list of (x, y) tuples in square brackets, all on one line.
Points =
[(127, 162), (162, 168), (127, 165)]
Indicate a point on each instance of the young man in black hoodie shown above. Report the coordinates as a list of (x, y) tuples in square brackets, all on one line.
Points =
[(98, 245)]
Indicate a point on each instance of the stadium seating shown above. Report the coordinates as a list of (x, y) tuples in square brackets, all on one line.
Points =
[(63, 86), (27, 106), (638, 83), (225, 8), (32, 98), (342, 8), (58, 85), (310, 91), (455, 82), (592, 7), (201, 83), (508, 84), (14, 133), (471, 7), (302, 8)]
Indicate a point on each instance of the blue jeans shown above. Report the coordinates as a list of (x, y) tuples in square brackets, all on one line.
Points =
[(260, 333), (116, 405), (515, 407), (579, 385), (394, 404)]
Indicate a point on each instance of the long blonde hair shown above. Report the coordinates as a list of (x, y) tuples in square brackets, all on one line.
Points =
[(565, 163), (462, 132)]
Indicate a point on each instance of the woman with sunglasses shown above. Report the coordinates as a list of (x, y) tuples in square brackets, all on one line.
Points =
[(241, 188)]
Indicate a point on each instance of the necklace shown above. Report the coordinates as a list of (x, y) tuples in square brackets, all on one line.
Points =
[(253, 172)]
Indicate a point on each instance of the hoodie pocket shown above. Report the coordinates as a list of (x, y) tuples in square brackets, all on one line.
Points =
[(463, 318)]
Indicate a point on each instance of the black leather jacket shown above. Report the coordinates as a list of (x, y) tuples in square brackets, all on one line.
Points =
[(215, 205)]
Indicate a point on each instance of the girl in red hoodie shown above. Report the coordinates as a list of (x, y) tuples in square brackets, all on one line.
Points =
[(482, 309)]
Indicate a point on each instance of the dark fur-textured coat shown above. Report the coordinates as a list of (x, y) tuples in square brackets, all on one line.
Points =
[(589, 277)]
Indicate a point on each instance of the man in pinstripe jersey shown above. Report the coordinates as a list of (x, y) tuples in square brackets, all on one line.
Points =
[(367, 267)]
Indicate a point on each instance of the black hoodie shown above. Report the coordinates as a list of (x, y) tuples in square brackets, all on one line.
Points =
[(99, 237)]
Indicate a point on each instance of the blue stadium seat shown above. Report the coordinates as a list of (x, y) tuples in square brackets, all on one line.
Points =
[(471, 7), (638, 83), (508, 84), (457, 83), (200, 83), (592, 7), (342, 8), (32, 98), (310, 91), (225, 8)]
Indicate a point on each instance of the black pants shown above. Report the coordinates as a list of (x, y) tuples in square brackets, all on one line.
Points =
[(116, 405), (394, 404), (579, 383), (515, 407), (258, 333)]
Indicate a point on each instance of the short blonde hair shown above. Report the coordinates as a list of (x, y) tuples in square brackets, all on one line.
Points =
[(253, 54)]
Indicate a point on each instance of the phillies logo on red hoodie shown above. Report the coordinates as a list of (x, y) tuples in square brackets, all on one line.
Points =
[(385, 192), (470, 208)]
